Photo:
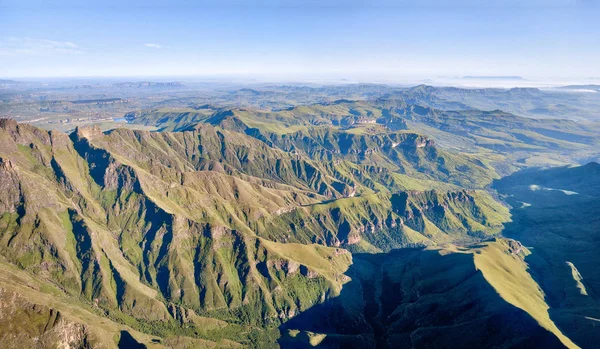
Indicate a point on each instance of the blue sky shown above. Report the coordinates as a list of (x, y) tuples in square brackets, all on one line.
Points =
[(293, 39)]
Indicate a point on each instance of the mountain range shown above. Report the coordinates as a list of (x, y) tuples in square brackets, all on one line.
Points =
[(351, 223)]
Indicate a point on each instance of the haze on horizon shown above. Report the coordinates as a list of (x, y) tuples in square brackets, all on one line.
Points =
[(301, 40)]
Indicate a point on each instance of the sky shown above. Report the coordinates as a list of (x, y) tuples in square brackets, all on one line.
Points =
[(285, 39)]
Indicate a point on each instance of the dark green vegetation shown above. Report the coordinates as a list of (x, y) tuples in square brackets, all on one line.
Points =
[(366, 223)]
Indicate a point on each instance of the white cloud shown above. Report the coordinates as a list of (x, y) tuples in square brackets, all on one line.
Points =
[(26, 46), (153, 45)]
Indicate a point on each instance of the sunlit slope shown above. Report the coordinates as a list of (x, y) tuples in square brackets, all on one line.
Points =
[(291, 188), (503, 268), (37, 312)]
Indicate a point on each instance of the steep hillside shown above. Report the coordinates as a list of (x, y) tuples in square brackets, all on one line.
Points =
[(293, 216), (382, 221), (404, 152)]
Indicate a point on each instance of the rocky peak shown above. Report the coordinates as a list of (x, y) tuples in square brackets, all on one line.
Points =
[(8, 124), (87, 132), (422, 142), (7, 165)]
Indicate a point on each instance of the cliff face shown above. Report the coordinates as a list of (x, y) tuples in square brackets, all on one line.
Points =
[(9, 186), (27, 325)]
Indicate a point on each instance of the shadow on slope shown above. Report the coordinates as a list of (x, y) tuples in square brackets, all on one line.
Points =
[(556, 214), (128, 342), (418, 298)]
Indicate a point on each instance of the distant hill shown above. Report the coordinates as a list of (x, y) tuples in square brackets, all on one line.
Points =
[(581, 87), (148, 84), (530, 102), (10, 82), (493, 77)]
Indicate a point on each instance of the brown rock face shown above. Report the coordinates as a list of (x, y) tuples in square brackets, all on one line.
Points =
[(10, 195), (8, 124), (53, 331)]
